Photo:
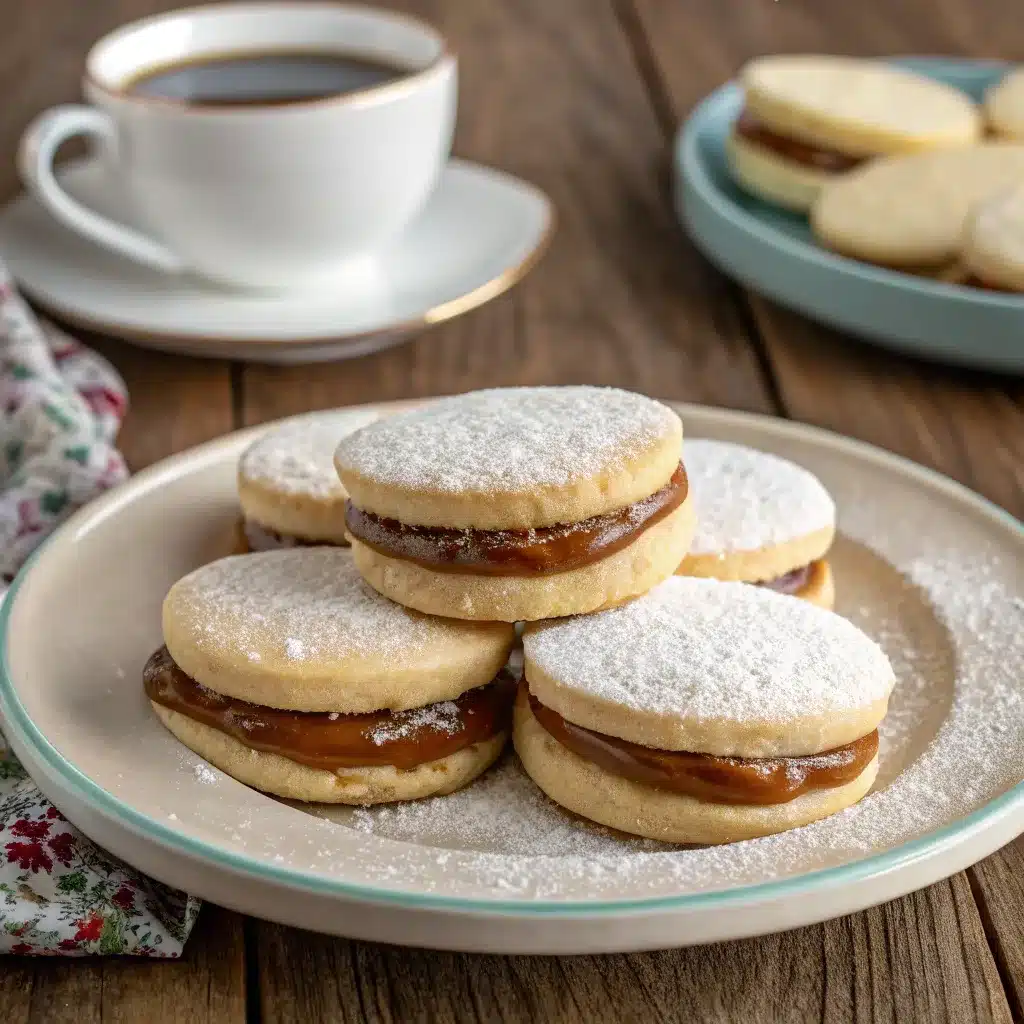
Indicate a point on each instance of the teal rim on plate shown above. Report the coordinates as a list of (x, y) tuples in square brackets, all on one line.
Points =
[(970, 326), (16, 719)]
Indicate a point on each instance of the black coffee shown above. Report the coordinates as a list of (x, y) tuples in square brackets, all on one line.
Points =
[(263, 78)]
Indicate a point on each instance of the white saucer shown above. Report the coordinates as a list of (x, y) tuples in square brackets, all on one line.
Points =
[(480, 233), (497, 867)]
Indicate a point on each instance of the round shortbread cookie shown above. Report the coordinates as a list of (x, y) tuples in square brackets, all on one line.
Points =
[(589, 790), (287, 481), (714, 668), (772, 177), (651, 558), (378, 784), (910, 211), (1004, 106), (993, 249), (858, 107), (512, 458), (759, 516), (299, 629)]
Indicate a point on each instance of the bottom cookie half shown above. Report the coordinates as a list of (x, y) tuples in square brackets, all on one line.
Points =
[(592, 792), (626, 574), (272, 773)]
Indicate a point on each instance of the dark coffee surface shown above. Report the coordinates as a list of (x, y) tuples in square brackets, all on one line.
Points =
[(263, 78)]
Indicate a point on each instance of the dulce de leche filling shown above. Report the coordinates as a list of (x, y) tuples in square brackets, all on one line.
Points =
[(973, 281), (715, 780), (536, 552), (792, 582), (820, 158), (330, 740), (253, 536)]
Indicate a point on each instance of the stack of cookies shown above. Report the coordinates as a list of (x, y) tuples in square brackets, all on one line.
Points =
[(809, 119), (692, 710), (892, 168)]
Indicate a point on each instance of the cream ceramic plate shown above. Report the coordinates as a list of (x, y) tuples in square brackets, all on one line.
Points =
[(934, 572), (481, 232)]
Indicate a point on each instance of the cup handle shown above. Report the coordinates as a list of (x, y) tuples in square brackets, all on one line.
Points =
[(35, 164)]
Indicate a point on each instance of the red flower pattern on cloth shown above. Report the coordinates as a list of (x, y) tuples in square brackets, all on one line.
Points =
[(59, 893), (90, 929), (31, 856), (63, 847), (30, 829), (123, 898)]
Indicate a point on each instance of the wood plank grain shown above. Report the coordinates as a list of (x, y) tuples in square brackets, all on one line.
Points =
[(206, 986), (964, 424), (891, 964), (550, 92), (998, 885)]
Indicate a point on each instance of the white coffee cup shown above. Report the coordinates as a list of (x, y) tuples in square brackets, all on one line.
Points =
[(262, 196)]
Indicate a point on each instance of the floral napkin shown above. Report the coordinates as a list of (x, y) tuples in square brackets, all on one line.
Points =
[(62, 407)]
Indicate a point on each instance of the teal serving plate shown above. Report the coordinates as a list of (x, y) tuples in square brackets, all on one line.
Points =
[(774, 253)]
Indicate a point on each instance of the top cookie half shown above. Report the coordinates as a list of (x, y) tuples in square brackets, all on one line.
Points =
[(512, 458), (860, 107)]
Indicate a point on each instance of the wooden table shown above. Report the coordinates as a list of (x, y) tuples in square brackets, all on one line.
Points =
[(581, 97)]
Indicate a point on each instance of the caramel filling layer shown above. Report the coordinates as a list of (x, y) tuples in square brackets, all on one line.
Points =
[(792, 582), (715, 780), (820, 158), (330, 740), (537, 552), (972, 281)]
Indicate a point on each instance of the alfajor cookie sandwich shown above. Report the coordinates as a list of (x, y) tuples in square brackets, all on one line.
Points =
[(287, 485), (703, 712), (518, 503), (1004, 106), (809, 119), (760, 519), (993, 248), (287, 672), (910, 212)]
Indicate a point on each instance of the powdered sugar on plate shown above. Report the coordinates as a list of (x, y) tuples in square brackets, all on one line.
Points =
[(747, 499), (507, 440), (503, 810), (700, 650), (297, 457)]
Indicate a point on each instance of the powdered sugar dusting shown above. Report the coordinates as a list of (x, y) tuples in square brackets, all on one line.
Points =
[(747, 499), (306, 603), (709, 651), (442, 717), (297, 457), (508, 439)]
